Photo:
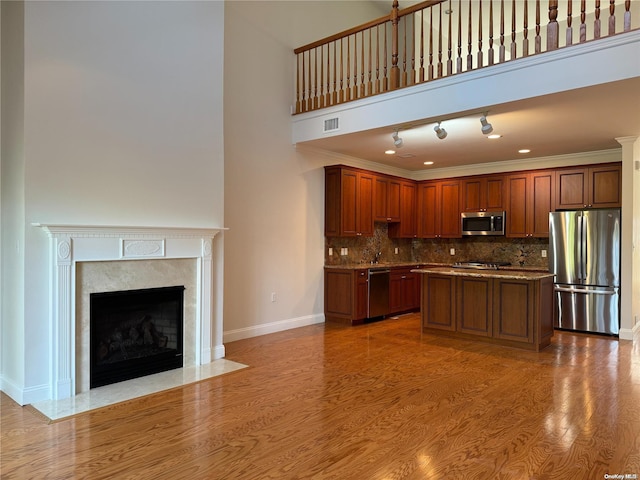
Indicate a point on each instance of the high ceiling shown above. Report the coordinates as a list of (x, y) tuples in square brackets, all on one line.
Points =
[(575, 121)]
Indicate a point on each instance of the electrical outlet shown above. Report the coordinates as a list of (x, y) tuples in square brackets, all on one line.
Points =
[(396, 251), (346, 251), (452, 251), (544, 254), (330, 252), (273, 296)]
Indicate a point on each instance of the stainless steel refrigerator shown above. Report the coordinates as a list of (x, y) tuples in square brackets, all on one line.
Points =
[(585, 258)]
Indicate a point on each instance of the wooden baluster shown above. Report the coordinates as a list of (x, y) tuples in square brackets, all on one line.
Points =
[(347, 94), (627, 15), (553, 28), (525, 40), (385, 78), (404, 53), (431, 43), (469, 41), (439, 41), (501, 50), (316, 103), (421, 71), (412, 76), (514, 52), (583, 19), (395, 72), (596, 23), (538, 39), (370, 83), (327, 95), (449, 48), (321, 78), (363, 86), (354, 87), (480, 62), (341, 95), (378, 85), (491, 52), (569, 20), (304, 84), (612, 17), (459, 57), (298, 103), (334, 96)]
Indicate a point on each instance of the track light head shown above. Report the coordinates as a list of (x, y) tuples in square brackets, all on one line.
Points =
[(487, 128), (441, 133), (397, 141)]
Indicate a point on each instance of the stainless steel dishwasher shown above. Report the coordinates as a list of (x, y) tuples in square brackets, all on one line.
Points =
[(378, 292)]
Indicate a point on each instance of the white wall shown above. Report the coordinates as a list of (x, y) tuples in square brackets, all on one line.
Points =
[(274, 202), (122, 126), (12, 190)]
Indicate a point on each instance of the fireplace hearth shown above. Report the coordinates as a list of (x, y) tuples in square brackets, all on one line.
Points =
[(134, 333)]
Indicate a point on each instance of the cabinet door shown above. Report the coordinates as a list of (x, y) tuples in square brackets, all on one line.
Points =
[(604, 185), (411, 291), (406, 228), (362, 294), (571, 189), (395, 292), (428, 218), (513, 310), (349, 204), (471, 195), (450, 222), (474, 310), (482, 194), (494, 194), (393, 201), (542, 202), (380, 198), (517, 202), (438, 302), (364, 211), (338, 294)]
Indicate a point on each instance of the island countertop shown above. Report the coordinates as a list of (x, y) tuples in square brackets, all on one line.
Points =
[(478, 273)]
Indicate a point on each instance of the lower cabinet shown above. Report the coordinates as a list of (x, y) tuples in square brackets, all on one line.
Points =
[(512, 312), (346, 295), (404, 291)]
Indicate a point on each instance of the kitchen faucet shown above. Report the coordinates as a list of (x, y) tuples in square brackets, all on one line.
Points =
[(376, 257)]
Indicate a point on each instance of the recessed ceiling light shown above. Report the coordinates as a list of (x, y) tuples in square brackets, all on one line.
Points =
[(390, 152), (524, 150), (495, 135), (428, 163)]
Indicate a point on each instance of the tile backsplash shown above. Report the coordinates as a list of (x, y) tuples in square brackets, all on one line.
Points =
[(524, 252)]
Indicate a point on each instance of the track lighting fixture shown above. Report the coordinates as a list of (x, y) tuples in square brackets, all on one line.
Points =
[(441, 133), (487, 128), (397, 141)]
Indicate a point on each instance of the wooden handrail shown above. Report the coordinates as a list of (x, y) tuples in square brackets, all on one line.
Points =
[(395, 51)]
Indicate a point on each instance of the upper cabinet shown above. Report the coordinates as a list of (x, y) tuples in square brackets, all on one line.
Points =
[(406, 228), (483, 193), (348, 202), (599, 186), (530, 198), (439, 209), (386, 199)]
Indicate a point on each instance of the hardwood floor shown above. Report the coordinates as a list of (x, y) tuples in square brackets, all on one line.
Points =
[(378, 401)]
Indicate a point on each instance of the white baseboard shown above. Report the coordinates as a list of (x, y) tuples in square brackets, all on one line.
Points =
[(272, 327), (627, 333), (24, 396)]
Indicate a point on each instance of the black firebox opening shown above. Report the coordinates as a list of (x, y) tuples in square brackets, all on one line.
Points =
[(135, 333)]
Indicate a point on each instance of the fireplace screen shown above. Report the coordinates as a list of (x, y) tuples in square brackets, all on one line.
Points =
[(135, 333)]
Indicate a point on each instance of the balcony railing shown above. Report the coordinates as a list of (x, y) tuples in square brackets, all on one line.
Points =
[(439, 38)]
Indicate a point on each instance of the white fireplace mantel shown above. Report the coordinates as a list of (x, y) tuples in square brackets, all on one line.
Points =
[(84, 243)]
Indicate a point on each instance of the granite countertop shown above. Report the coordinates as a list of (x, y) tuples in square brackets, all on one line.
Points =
[(430, 267), (502, 273)]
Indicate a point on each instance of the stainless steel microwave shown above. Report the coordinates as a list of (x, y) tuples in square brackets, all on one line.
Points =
[(482, 223)]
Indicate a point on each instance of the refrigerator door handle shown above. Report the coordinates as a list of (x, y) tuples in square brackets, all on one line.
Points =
[(612, 291), (580, 250), (585, 247)]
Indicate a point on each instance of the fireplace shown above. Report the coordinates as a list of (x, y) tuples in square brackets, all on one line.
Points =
[(134, 333)]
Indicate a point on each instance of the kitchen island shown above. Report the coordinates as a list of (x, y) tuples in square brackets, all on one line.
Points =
[(506, 307)]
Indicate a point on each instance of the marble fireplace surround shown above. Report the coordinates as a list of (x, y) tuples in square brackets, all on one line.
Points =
[(72, 245)]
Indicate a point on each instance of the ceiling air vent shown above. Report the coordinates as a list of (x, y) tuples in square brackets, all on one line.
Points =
[(331, 124)]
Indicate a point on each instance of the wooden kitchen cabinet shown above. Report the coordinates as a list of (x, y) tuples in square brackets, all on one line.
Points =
[(348, 202), (404, 291), (530, 198), (474, 307), (406, 227), (598, 186), (483, 193), (439, 209), (386, 199), (513, 313), (438, 302), (346, 295)]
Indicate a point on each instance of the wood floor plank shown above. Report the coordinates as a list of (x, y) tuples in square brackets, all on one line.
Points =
[(377, 401)]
